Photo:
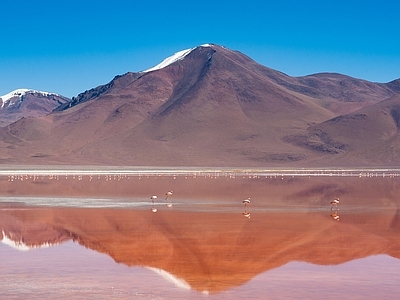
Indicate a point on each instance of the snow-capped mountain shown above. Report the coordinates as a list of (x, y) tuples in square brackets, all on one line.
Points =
[(174, 58), (23, 103), (213, 106), (169, 60), (13, 97)]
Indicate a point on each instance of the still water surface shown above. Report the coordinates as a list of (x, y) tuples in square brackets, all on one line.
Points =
[(97, 237)]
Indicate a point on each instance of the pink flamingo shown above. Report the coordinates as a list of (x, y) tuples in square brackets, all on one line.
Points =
[(153, 209)]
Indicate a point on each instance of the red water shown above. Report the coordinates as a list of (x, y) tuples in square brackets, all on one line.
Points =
[(204, 246)]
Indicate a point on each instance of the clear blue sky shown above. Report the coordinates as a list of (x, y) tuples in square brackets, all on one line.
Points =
[(69, 46)]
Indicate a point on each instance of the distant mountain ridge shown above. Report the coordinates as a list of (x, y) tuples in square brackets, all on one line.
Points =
[(204, 106), (23, 103)]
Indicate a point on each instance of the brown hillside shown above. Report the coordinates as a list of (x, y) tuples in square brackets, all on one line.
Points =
[(370, 134)]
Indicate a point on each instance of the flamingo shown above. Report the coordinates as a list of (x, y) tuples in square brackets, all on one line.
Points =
[(245, 202), (153, 209), (334, 203), (167, 194)]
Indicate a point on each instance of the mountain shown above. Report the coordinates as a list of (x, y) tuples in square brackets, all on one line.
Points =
[(204, 106), (370, 134), (24, 103)]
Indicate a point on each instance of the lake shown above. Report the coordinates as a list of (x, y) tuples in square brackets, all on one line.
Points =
[(98, 234)]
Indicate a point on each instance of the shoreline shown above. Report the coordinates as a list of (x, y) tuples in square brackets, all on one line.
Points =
[(54, 170)]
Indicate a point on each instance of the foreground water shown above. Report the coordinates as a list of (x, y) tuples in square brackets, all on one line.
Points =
[(101, 236)]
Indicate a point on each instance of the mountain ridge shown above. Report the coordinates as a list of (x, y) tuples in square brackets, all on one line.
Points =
[(211, 106)]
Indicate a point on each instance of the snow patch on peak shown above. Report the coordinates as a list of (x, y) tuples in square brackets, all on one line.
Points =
[(22, 92), (175, 57), (169, 60), (16, 93)]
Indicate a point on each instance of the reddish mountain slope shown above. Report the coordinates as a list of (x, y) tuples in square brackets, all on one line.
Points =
[(370, 134)]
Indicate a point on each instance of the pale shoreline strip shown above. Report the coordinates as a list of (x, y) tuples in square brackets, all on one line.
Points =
[(195, 171)]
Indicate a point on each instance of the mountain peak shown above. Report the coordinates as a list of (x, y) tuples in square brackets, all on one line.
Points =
[(175, 57), (20, 93), (23, 103)]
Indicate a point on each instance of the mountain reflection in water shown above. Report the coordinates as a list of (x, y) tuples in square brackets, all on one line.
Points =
[(212, 249)]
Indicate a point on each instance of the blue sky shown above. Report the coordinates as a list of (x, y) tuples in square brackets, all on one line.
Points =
[(69, 46)]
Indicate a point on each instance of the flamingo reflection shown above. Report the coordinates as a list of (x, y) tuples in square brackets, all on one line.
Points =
[(153, 209), (335, 216), (246, 214)]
